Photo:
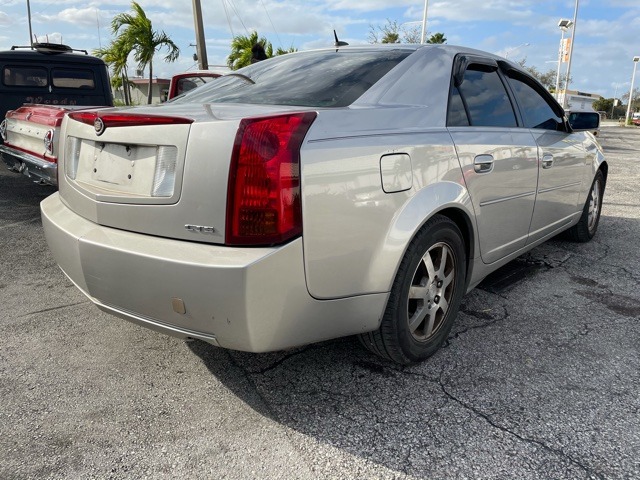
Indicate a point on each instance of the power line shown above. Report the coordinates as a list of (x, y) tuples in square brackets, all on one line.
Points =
[(238, 15), (271, 21), (226, 12)]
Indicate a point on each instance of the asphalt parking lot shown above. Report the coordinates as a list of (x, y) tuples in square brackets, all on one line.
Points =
[(540, 377)]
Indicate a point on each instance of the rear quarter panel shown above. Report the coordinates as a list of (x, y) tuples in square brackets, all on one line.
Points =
[(355, 233)]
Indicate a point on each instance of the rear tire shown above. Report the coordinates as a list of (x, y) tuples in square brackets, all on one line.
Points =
[(587, 226), (425, 295)]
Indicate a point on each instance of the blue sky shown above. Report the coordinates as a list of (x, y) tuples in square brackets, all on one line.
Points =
[(607, 35)]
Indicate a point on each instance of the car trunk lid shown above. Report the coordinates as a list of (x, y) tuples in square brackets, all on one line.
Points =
[(157, 170)]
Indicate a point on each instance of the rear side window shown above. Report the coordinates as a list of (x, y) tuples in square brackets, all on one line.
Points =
[(485, 98), (311, 79), (457, 114), (19, 76), (73, 78)]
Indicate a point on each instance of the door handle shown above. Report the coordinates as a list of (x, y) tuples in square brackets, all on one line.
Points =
[(547, 161), (483, 163)]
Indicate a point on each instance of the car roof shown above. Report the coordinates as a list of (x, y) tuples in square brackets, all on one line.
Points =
[(36, 56)]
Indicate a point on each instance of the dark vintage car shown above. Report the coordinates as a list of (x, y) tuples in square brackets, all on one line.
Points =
[(38, 87)]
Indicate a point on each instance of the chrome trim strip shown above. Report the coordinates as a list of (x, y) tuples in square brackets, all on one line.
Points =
[(35, 167), (545, 190), (505, 199), (155, 324)]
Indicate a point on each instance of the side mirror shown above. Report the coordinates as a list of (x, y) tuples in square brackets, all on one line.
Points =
[(584, 121)]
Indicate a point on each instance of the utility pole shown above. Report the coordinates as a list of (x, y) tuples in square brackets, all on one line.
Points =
[(30, 31), (201, 47)]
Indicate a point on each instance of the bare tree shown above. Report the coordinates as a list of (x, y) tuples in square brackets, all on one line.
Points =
[(388, 33)]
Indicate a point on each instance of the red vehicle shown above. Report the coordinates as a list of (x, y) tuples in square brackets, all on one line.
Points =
[(31, 134), (183, 82), (48, 80)]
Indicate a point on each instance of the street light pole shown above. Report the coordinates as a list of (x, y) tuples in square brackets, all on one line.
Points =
[(564, 26), (573, 41), (424, 22), (633, 78)]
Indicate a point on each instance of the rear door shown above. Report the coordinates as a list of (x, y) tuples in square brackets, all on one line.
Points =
[(499, 159)]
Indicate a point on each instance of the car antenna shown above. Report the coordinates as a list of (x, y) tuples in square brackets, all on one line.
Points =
[(338, 43)]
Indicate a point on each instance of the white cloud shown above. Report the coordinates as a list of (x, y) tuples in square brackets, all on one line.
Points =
[(86, 17), (5, 20), (367, 5)]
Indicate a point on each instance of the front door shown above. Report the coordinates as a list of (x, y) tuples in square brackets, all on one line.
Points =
[(561, 157)]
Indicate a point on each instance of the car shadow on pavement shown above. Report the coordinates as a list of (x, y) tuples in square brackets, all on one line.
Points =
[(21, 195), (334, 392), (495, 394)]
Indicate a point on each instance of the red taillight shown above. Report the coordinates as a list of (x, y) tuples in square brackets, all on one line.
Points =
[(263, 199), (125, 119), (48, 141)]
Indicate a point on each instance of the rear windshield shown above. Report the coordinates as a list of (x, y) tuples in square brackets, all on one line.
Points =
[(19, 76), (73, 78), (309, 79)]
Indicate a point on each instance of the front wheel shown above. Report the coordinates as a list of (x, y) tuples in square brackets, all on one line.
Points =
[(586, 228), (425, 295)]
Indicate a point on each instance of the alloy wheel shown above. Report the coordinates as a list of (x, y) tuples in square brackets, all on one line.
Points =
[(431, 291)]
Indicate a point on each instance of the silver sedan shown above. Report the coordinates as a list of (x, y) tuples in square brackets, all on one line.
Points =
[(352, 190)]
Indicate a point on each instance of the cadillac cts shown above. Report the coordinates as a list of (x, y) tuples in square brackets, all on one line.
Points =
[(353, 190)]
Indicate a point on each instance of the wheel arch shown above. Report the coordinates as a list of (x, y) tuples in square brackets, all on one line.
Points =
[(449, 199), (465, 225), (604, 168)]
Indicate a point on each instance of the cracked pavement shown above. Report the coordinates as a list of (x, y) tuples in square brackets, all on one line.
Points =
[(539, 377)]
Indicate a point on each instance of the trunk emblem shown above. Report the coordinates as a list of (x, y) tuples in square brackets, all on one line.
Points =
[(98, 124), (199, 229)]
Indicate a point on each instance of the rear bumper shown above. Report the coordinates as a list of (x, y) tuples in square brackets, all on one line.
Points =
[(33, 167), (251, 299)]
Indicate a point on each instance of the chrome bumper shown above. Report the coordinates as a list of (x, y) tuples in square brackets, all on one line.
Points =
[(33, 167), (252, 299)]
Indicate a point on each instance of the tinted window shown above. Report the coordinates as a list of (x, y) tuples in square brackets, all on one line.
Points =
[(313, 79), (456, 115), (486, 98), (64, 78), (24, 76), (536, 111)]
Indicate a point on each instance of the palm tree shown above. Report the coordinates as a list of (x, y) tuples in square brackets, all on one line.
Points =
[(437, 38), (135, 33), (116, 55), (241, 46), (282, 51), (391, 37)]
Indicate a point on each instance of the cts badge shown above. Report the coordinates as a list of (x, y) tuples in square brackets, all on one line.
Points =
[(98, 124), (200, 229)]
